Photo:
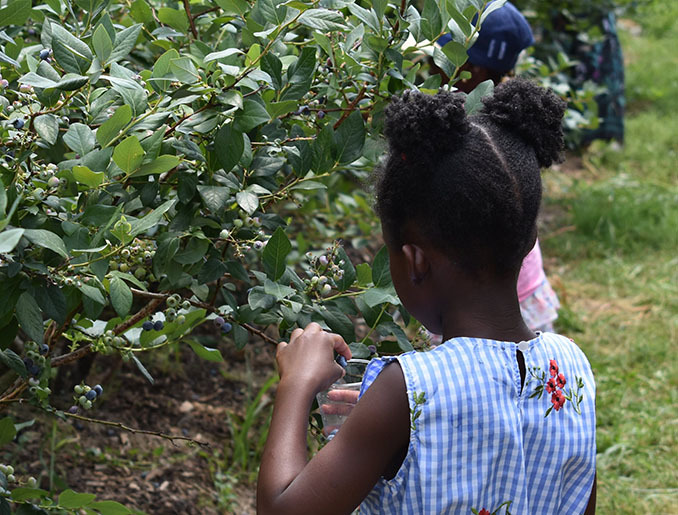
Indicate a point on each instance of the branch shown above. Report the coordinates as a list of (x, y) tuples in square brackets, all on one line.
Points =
[(139, 431), (350, 108), (191, 22)]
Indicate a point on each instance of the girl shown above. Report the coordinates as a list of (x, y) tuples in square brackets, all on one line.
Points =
[(497, 419)]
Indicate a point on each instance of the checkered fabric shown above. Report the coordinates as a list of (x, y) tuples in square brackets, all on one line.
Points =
[(480, 442)]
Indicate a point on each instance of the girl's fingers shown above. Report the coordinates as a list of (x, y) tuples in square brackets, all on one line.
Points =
[(336, 409), (296, 333), (349, 396), (340, 346)]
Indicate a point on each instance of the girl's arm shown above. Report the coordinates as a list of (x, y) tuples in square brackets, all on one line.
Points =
[(339, 477), (591, 508)]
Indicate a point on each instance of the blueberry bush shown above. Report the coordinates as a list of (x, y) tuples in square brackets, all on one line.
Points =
[(171, 164)]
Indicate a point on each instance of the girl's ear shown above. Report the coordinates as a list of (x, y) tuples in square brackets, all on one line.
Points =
[(418, 265)]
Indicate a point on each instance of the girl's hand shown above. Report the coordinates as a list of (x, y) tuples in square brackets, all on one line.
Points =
[(308, 359)]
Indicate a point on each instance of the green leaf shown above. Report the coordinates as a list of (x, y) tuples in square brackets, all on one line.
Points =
[(175, 18), (215, 198), (229, 146), (47, 240), (431, 22), (73, 55), (92, 293), (248, 201), (16, 13), (184, 70), (102, 44), (52, 301), (121, 296), (47, 127), (30, 317), (9, 240), (455, 52), (376, 296), (349, 138), (7, 431), (151, 219), (11, 360), (80, 138), (25, 493), (359, 350), (367, 16), (277, 109), (112, 127), (275, 253), (222, 54), (161, 70), (206, 353), (338, 322), (128, 154), (239, 7), (71, 82), (37, 81), (72, 500), (279, 291), (273, 66), (381, 274), (322, 19), (124, 42), (364, 273), (110, 508), (474, 100), (252, 115), (85, 176), (160, 164)]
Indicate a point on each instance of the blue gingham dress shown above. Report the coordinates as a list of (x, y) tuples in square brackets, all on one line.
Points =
[(480, 443)]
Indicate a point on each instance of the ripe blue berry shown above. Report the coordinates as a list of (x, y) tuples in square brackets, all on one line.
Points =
[(158, 325), (341, 360), (226, 328), (147, 325), (44, 54), (321, 114), (99, 389), (44, 349), (73, 410), (18, 124), (91, 395), (218, 321), (372, 349)]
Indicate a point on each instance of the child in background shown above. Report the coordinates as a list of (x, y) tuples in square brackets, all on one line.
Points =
[(505, 34), (497, 418)]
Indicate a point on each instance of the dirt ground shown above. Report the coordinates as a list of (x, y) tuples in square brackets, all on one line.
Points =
[(190, 398)]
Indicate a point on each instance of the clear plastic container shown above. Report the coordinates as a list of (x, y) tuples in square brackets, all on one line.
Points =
[(336, 403)]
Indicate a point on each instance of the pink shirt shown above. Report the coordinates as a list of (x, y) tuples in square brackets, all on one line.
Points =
[(531, 273)]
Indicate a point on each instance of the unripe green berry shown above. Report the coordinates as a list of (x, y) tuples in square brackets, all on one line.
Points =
[(78, 389), (181, 319), (224, 234), (185, 305), (140, 273), (88, 404), (326, 289), (124, 267)]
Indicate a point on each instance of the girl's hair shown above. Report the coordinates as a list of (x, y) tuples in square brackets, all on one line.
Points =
[(469, 184)]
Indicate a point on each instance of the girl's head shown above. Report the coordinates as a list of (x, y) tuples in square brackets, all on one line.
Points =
[(468, 187)]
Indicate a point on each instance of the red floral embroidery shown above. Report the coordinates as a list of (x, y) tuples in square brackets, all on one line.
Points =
[(558, 399), (483, 512), (555, 385), (561, 381), (553, 368)]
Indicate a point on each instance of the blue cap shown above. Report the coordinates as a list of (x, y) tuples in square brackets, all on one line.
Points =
[(503, 35)]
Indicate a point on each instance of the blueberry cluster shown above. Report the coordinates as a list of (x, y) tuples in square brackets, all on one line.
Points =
[(8, 471), (149, 325), (137, 257), (250, 236), (324, 272), (220, 323), (85, 396), (34, 361), (108, 341), (174, 302)]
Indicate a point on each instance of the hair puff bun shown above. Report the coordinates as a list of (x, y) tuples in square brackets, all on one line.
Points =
[(531, 112), (420, 125)]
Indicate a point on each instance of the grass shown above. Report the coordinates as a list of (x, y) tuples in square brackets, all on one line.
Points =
[(616, 272)]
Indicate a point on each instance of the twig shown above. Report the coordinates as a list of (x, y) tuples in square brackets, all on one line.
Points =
[(350, 108), (86, 349), (207, 307), (191, 22), (135, 430)]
